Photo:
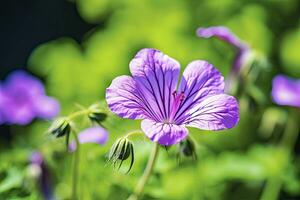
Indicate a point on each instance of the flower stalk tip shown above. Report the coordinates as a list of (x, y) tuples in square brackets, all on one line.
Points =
[(187, 148), (96, 114), (60, 127), (122, 150)]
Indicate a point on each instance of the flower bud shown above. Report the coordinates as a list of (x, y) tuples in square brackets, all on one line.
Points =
[(60, 127), (187, 148), (96, 114), (121, 150)]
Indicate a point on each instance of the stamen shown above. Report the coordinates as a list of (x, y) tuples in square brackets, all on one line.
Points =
[(174, 94), (182, 96), (178, 98)]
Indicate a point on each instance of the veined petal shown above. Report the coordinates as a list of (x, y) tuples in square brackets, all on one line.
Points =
[(164, 134), (123, 99), (222, 33), (200, 80), (96, 135), (286, 91), (156, 75), (214, 113)]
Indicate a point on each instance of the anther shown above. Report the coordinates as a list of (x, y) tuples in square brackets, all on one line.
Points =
[(174, 94), (182, 96)]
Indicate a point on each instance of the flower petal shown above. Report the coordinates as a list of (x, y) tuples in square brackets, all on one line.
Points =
[(200, 79), (19, 92), (214, 113), (286, 91), (46, 107), (156, 75), (222, 33), (14, 113), (123, 99), (2, 106), (36, 158), (20, 82), (96, 135), (164, 134)]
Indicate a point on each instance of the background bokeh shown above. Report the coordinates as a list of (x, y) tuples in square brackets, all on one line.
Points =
[(77, 48)]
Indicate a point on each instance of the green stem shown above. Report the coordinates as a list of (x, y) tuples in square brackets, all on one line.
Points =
[(75, 167), (77, 114), (288, 140), (138, 191), (272, 189), (132, 133), (290, 135)]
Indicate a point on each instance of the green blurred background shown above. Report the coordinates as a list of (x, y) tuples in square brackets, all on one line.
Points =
[(245, 163)]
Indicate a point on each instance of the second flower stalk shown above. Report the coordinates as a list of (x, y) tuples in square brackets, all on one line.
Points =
[(64, 126)]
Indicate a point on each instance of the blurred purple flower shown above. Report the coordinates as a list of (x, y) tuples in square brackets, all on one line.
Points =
[(226, 35), (23, 98), (39, 167), (36, 158), (151, 94), (96, 135), (243, 51), (286, 91), (2, 120), (222, 33)]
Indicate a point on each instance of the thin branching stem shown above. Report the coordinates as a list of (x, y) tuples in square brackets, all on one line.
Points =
[(138, 191), (132, 133), (75, 167), (77, 114)]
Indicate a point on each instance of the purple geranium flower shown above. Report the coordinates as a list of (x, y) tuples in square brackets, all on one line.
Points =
[(286, 91), (243, 51), (96, 135), (23, 98), (151, 94), (226, 35)]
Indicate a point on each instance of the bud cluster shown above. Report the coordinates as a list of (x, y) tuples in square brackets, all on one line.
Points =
[(62, 125)]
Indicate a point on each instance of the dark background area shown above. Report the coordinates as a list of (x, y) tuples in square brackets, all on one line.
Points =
[(27, 23)]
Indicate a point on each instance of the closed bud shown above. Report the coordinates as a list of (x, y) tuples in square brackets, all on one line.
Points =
[(121, 150), (96, 114), (60, 127), (187, 148)]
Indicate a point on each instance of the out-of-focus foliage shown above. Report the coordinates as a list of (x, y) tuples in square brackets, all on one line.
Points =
[(233, 164), (290, 54), (106, 52)]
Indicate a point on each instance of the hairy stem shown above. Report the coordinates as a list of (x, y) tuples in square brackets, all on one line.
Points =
[(138, 191), (77, 114), (75, 167), (132, 133)]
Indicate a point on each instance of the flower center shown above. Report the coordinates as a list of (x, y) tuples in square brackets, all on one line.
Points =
[(178, 98)]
